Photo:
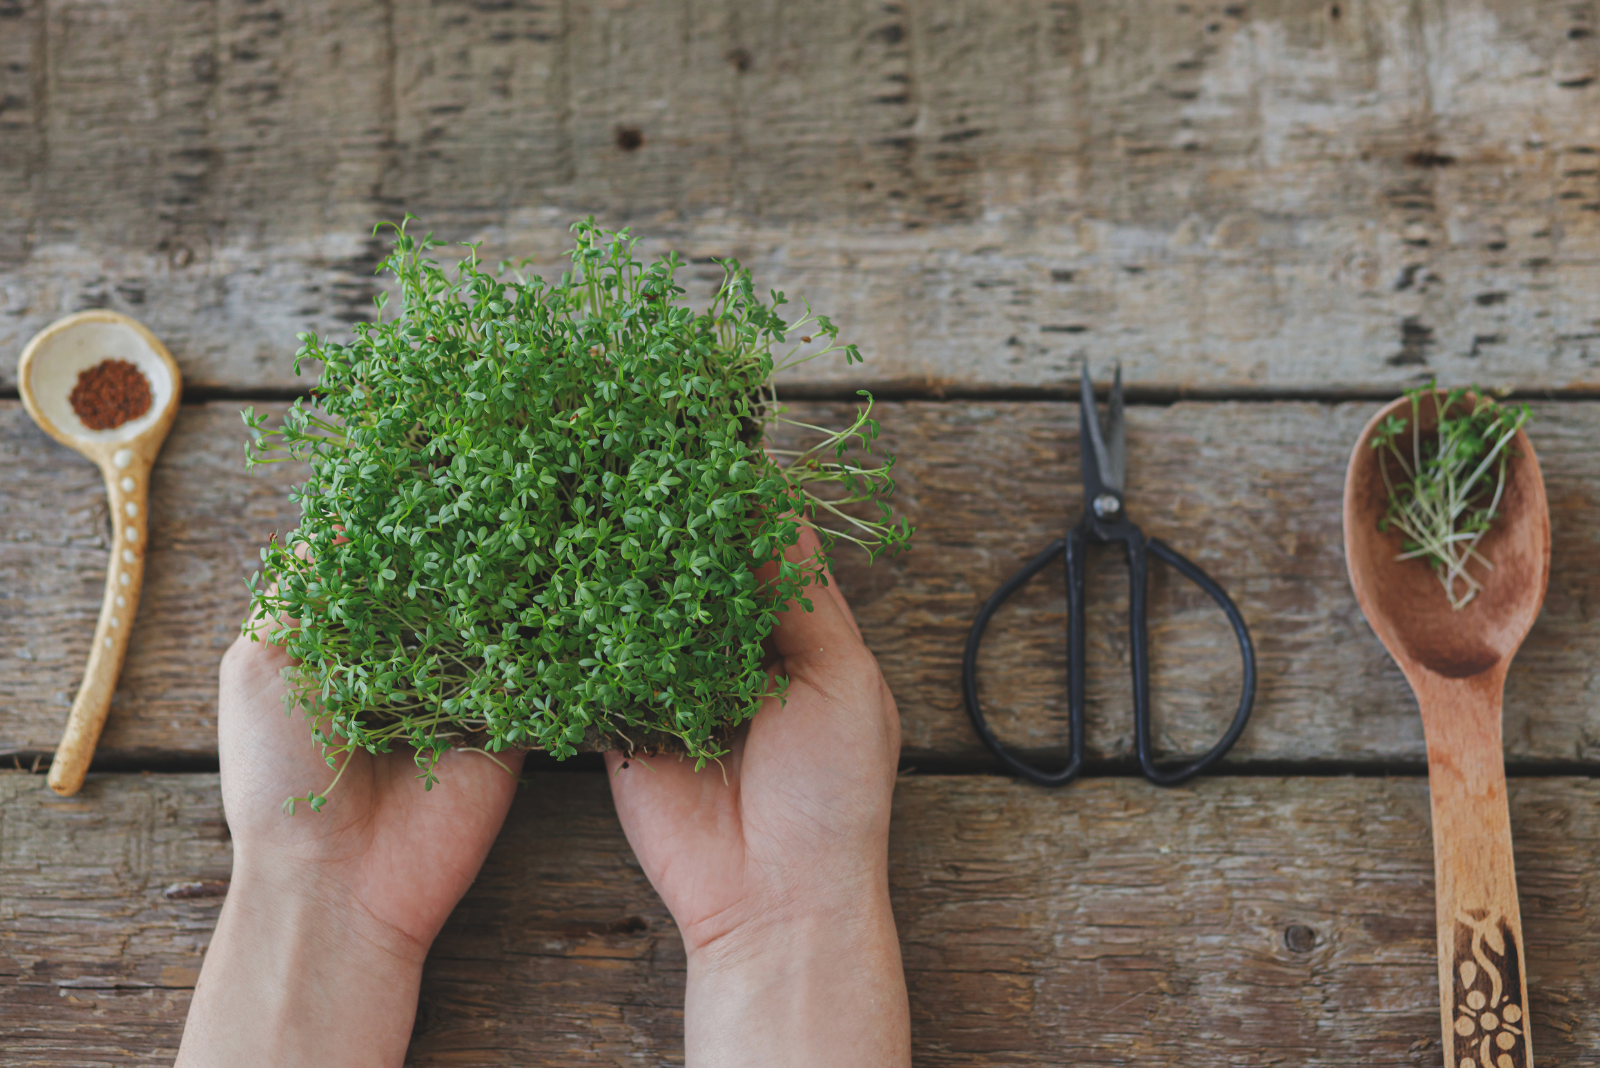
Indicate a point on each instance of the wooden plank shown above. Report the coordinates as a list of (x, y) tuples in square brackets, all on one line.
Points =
[(1249, 491), (85, 921), (1284, 196), (1242, 922), (478, 88), (22, 108), (170, 123)]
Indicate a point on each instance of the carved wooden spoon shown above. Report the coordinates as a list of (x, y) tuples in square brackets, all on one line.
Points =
[(45, 377), (1456, 663)]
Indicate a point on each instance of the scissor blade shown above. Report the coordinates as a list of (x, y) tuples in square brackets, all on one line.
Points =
[(1099, 470), (1116, 435)]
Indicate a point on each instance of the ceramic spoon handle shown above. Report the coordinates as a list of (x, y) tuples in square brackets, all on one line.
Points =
[(1483, 992), (128, 491)]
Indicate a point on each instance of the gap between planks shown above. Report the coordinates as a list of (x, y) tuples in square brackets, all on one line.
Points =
[(912, 765), (885, 392)]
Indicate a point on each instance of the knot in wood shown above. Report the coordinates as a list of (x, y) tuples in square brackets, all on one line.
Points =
[(1299, 938)]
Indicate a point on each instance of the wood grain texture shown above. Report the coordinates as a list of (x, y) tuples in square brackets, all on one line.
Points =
[(1286, 195), (1243, 922), (1251, 492)]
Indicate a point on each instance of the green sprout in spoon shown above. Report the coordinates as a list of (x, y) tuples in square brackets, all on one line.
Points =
[(1445, 484)]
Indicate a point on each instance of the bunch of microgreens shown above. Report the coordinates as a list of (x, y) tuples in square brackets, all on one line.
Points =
[(1449, 482), (534, 512)]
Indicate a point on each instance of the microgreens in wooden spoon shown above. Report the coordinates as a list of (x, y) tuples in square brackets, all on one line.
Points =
[(1445, 481)]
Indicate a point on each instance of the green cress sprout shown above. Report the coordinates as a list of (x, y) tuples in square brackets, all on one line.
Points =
[(1447, 482), (535, 512)]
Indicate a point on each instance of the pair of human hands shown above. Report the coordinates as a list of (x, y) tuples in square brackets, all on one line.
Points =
[(775, 869)]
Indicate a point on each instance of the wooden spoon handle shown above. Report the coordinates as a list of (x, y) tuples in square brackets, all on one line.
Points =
[(1483, 993), (128, 491)]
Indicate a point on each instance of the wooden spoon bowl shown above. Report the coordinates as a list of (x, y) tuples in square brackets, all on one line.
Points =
[(125, 454), (1403, 599), (1456, 662)]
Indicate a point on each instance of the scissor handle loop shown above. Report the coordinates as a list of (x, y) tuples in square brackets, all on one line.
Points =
[(1143, 742), (969, 680), (1074, 547)]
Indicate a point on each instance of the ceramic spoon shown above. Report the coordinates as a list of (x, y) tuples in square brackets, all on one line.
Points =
[(1456, 663), (45, 377)]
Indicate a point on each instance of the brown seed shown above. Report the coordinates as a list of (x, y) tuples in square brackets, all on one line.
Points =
[(109, 394)]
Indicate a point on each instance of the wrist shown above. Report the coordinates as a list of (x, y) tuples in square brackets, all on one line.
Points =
[(319, 910), (298, 974), (789, 947), (848, 883), (802, 987)]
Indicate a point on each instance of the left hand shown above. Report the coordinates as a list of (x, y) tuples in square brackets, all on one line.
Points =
[(317, 956)]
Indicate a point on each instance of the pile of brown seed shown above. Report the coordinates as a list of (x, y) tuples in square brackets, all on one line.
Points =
[(109, 394)]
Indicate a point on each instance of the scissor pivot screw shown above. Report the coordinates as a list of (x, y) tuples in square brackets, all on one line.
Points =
[(1107, 505)]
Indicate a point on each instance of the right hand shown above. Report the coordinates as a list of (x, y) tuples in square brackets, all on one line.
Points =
[(775, 866)]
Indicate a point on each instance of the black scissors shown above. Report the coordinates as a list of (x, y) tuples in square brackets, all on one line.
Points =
[(1103, 455)]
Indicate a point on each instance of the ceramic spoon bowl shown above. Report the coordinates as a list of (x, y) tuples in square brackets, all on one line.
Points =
[(1456, 662), (46, 375)]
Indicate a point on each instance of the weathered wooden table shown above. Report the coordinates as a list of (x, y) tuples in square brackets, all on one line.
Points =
[(1273, 213)]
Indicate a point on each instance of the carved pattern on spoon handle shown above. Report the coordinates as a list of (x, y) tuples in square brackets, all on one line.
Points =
[(1491, 1024)]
